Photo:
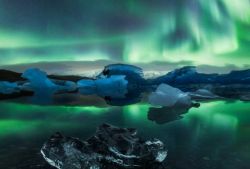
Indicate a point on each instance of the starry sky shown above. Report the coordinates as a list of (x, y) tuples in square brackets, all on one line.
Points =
[(213, 33)]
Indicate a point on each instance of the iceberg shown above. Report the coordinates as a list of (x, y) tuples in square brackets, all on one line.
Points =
[(109, 147), (168, 96), (121, 69), (133, 74), (43, 86), (8, 87), (86, 87), (230, 85), (203, 94), (128, 81), (39, 83), (65, 86), (114, 86)]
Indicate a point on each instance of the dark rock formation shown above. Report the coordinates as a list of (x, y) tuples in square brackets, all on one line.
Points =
[(10, 76), (15, 95), (110, 147)]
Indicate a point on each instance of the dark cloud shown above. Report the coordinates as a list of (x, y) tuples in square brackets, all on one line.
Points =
[(68, 18)]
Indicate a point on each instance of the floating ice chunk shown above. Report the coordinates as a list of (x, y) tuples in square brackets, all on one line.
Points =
[(168, 96), (86, 87), (121, 69), (43, 86), (65, 86), (203, 94), (39, 82), (70, 86), (8, 87), (113, 86), (26, 86)]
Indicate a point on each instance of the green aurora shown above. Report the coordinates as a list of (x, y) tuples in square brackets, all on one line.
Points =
[(215, 32)]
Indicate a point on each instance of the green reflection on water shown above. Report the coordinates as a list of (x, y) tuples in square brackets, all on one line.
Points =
[(216, 116), (14, 126), (22, 118)]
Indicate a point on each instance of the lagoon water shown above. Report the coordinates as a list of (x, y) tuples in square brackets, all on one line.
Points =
[(214, 136)]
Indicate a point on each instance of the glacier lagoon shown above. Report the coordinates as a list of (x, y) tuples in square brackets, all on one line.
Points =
[(199, 138)]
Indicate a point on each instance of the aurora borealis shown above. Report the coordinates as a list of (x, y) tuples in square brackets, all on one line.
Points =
[(201, 32), (80, 37)]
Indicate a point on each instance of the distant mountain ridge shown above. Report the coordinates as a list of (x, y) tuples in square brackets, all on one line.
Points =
[(11, 76), (188, 75), (185, 75)]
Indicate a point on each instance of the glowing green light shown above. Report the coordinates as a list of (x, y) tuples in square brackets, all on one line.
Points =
[(9, 127), (216, 114), (22, 118), (216, 33)]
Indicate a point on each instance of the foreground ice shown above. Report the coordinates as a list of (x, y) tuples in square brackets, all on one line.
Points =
[(8, 87), (113, 86), (110, 147), (168, 96)]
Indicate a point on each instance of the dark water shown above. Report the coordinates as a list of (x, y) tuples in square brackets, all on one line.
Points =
[(214, 136)]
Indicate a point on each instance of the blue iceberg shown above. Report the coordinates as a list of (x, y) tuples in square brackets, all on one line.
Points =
[(8, 87), (43, 86), (168, 96), (112, 86)]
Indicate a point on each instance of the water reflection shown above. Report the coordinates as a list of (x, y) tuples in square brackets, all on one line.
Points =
[(171, 113), (166, 114), (202, 137)]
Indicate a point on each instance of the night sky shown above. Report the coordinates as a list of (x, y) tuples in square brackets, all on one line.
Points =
[(199, 32)]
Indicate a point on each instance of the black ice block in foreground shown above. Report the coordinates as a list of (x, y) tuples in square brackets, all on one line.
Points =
[(110, 147)]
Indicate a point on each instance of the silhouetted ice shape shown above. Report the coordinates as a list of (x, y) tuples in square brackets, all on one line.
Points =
[(168, 96), (8, 87), (110, 147), (113, 86), (167, 114)]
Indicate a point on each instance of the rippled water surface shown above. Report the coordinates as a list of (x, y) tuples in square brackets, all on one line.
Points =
[(214, 136)]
